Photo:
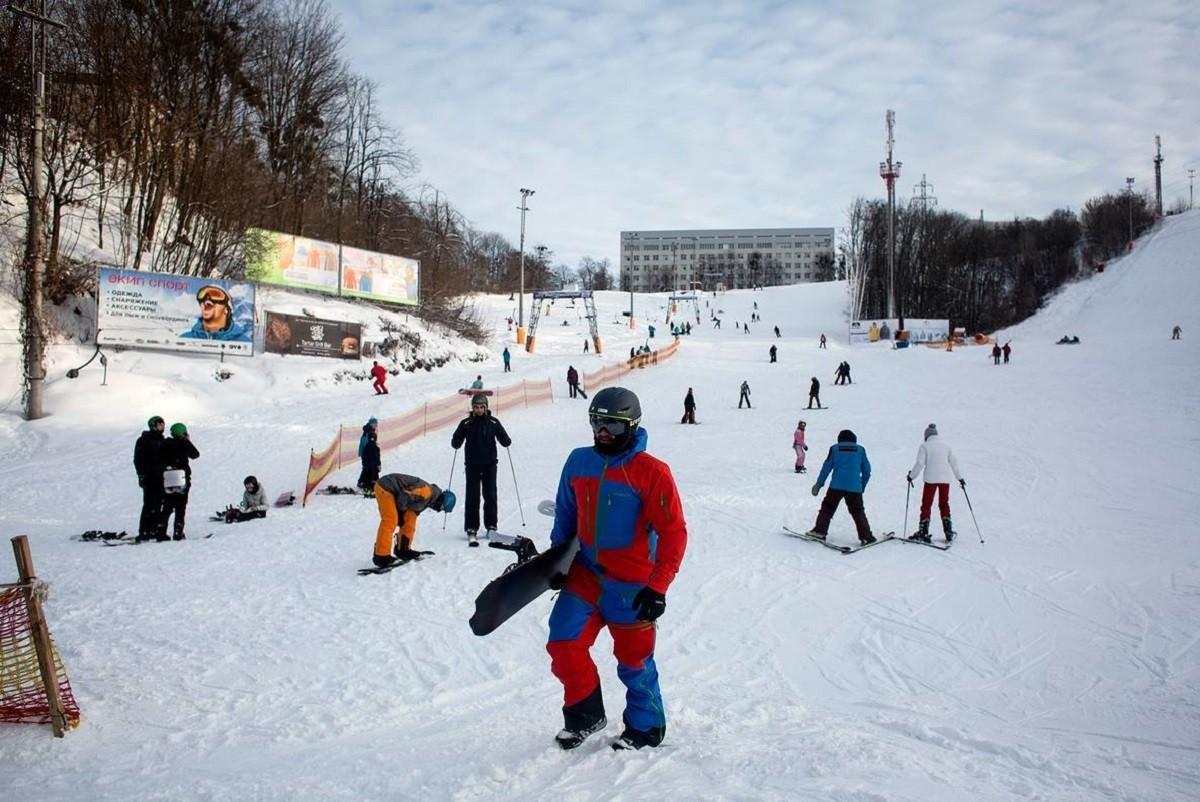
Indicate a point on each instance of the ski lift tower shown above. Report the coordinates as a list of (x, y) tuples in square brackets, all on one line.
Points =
[(589, 304), (890, 171), (687, 297)]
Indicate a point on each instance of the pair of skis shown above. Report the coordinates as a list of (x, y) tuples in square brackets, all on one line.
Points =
[(883, 538)]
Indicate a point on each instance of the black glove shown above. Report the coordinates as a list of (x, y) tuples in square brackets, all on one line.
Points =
[(816, 491), (650, 604), (962, 483), (909, 478), (557, 581)]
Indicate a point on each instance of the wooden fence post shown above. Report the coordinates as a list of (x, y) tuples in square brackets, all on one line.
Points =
[(41, 635)]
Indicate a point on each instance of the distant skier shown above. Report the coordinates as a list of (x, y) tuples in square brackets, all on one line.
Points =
[(822, 345), (851, 471), (996, 353), (147, 462), (777, 331), (379, 372), (477, 384), (1176, 333), (745, 396), (368, 428), (254, 503), (623, 506), (507, 357), (480, 432), (843, 374), (773, 352), (177, 453), (573, 382), (371, 464), (746, 328), (799, 446), (1006, 350), (689, 408), (938, 463), (814, 393), (716, 322), (586, 347), (401, 498)]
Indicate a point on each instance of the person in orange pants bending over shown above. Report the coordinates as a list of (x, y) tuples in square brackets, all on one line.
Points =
[(401, 498)]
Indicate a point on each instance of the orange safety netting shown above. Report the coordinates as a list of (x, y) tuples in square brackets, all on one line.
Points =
[(22, 694)]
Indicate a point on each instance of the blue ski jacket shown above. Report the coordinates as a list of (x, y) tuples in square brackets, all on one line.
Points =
[(850, 466)]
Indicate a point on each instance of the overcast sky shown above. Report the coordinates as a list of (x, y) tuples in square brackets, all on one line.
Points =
[(644, 115)]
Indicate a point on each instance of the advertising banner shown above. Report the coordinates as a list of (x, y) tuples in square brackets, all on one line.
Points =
[(182, 313), (366, 274), (920, 330), (291, 261), (310, 336)]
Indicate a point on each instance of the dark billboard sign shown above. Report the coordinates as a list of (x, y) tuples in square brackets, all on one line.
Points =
[(310, 336)]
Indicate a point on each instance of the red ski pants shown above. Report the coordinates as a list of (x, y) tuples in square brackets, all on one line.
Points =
[(943, 491)]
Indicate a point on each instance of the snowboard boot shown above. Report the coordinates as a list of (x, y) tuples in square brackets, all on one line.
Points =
[(383, 560), (571, 738), (581, 720), (180, 536), (472, 538), (636, 739), (404, 551), (922, 533), (948, 529)]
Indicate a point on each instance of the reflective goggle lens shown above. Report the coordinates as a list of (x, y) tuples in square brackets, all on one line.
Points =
[(611, 425)]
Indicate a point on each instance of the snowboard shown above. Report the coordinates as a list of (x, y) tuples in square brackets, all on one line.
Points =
[(882, 538), (938, 546), (339, 490), (469, 391), (374, 569), (286, 499), (520, 584)]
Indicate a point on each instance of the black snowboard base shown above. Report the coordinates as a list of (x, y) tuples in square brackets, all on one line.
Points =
[(421, 555), (520, 584)]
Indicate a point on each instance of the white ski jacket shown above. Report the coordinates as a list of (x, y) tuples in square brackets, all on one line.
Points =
[(937, 461)]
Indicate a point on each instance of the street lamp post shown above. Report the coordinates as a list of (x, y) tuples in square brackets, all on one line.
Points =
[(1129, 189), (525, 193)]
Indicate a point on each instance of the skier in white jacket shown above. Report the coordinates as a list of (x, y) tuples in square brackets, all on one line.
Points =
[(937, 461)]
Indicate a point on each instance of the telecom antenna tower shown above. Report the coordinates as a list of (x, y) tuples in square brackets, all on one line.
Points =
[(890, 171)]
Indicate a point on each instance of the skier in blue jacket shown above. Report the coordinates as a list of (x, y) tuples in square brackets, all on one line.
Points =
[(851, 469)]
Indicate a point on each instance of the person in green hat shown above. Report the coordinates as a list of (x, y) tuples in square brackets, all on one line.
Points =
[(177, 453), (147, 461)]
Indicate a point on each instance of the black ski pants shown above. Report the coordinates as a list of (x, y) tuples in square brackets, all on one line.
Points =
[(174, 503), (152, 503), (745, 397), (574, 389), (481, 477), (854, 503)]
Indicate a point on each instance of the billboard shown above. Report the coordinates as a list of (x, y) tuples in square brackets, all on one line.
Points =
[(920, 330), (310, 336), (291, 261), (366, 274), (182, 313)]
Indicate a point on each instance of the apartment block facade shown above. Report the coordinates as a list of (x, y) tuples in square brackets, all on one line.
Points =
[(733, 258)]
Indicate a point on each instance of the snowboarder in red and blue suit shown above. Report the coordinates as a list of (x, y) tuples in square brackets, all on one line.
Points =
[(624, 507)]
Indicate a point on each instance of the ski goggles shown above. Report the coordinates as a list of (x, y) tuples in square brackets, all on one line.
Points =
[(213, 295), (614, 426)]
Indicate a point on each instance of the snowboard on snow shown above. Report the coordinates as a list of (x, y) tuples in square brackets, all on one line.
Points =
[(286, 499), (339, 490), (520, 584), (375, 569), (882, 538), (469, 391)]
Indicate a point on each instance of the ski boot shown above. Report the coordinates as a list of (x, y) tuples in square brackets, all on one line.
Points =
[(866, 539), (569, 738), (815, 535), (948, 529), (490, 533), (472, 538), (922, 533)]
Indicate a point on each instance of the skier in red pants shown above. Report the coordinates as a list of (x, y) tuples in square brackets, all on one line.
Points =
[(380, 374), (938, 463)]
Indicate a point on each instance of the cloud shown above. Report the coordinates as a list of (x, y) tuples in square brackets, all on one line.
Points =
[(667, 115)]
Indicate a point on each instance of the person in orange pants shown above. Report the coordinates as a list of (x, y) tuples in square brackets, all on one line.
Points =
[(401, 498)]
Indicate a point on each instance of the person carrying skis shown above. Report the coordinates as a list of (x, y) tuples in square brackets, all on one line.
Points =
[(507, 357), (851, 469), (480, 432), (996, 353), (369, 428), (1006, 350), (147, 462), (254, 503), (689, 408), (935, 458), (773, 352), (814, 393), (799, 446), (379, 372), (401, 498), (623, 506), (745, 396), (573, 380), (177, 453), (371, 463)]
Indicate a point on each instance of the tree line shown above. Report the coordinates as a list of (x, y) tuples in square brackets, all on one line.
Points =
[(181, 123)]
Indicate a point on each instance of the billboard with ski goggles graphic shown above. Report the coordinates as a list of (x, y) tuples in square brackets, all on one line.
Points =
[(139, 309)]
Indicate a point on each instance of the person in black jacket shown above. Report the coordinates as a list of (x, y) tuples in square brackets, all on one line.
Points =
[(480, 431), (177, 452), (370, 465), (814, 393), (147, 461)]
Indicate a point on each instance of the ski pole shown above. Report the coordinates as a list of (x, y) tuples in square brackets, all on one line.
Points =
[(907, 494), (516, 487), (446, 515), (972, 509)]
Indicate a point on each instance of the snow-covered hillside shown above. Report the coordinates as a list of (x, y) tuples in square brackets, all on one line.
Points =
[(1058, 661)]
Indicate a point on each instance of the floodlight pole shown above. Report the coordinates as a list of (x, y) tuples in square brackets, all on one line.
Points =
[(1129, 189), (889, 171), (525, 193)]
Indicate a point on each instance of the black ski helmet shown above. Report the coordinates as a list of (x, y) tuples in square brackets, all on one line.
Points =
[(250, 480), (616, 404), (846, 436)]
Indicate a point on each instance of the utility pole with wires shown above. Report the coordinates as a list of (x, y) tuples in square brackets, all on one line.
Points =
[(926, 198), (1158, 160), (525, 193), (890, 171), (1191, 180), (32, 322), (1129, 191)]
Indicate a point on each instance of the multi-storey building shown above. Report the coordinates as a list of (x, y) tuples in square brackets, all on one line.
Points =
[(707, 259)]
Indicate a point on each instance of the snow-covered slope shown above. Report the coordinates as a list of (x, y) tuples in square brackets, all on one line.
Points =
[(1057, 661)]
